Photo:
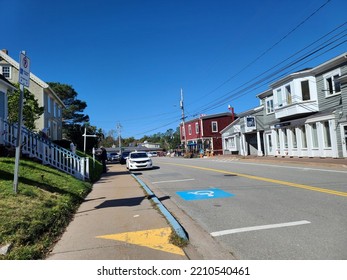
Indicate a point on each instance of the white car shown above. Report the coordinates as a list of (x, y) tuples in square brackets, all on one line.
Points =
[(138, 160), (152, 154)]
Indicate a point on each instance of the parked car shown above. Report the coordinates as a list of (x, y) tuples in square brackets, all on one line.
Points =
[(113, 157), (152, 154), (138, 160), (123, 157)]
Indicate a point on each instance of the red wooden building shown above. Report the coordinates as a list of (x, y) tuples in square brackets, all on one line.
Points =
[(203, 133)]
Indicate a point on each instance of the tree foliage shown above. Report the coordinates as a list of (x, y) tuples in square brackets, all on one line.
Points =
[(73, 113), (31, 109), (74, 120)]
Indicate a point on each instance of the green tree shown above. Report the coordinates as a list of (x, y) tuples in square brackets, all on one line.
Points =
[(31, 109), (74, 119), (73, 113)]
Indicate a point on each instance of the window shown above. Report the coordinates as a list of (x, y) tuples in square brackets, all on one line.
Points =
[(214, 126), (230, 143), (55, 106), (6, 72), (269, 105), (48, 104), (331, 83), (314, 135), (295, 144), (288, 94), (2, 105), (303, 137), (305, 90), (285, 138), (196, 128), (278, 139), (326, 132), (189, 129), (279, 98)]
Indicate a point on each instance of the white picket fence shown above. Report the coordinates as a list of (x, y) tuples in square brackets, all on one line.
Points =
[(35, 146)]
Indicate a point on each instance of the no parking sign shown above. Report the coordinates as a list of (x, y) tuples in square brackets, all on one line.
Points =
[(24, 70)]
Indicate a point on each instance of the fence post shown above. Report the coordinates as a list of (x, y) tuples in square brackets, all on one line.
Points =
[(82, 170), (87, 168)]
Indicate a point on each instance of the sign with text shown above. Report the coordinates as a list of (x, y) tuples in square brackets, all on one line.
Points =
[(24, 70)]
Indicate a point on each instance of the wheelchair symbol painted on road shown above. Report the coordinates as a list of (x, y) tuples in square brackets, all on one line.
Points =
[(203, 194), (208, 193)]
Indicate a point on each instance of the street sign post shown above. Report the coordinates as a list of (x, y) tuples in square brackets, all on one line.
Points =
[(24, 80), (24, 70)]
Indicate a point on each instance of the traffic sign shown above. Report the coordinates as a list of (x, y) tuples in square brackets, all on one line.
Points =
[(24, 70)]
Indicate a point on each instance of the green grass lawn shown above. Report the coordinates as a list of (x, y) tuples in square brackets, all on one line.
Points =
[(32, 220)]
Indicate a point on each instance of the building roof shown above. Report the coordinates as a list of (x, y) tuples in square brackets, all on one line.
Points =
[(241, 115), (34, 78), (312, 71), (206, 117)]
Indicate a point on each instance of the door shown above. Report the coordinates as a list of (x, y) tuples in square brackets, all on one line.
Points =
[(344, 139), (269, 146)]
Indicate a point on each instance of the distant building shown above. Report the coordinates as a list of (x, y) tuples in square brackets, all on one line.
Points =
[(203, 133), (150, 145)]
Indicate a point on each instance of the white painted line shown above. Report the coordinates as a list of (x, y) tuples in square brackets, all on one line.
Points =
[(237, 230), (173, 181)]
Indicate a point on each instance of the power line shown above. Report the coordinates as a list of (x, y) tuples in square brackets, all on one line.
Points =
[(269, 49)]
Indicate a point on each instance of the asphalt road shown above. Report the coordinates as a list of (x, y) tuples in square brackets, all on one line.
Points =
[(258, 211)]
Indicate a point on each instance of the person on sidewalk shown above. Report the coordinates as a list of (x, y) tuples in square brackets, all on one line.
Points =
[(103, 157)]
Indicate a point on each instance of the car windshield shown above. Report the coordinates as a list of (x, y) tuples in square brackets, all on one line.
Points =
[(138, 155)]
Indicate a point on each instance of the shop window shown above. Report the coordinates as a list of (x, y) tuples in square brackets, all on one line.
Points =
[(295, 144), (326, 132), (285, 138), (303, 137), (314, 135)]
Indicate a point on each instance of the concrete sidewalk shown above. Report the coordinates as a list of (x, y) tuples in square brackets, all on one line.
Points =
[(117, 221)]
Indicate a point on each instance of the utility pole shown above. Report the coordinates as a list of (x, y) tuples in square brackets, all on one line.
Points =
[(183, 122), (119, 129)]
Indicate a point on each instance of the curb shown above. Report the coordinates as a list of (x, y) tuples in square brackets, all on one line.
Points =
[(173, 222)]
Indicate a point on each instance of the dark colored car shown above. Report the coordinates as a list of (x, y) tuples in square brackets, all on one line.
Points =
[(113, 157), (123, 157)]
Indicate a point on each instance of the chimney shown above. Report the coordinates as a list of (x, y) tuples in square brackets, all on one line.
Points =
[(5, 51)]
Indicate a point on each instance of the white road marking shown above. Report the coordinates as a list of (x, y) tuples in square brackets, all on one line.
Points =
[(173, 181), (245, 229)]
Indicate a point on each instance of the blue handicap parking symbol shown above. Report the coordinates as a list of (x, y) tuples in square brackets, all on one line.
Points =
[(203, 194)]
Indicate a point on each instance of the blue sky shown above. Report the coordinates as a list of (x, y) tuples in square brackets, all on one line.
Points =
[(129, 59)]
